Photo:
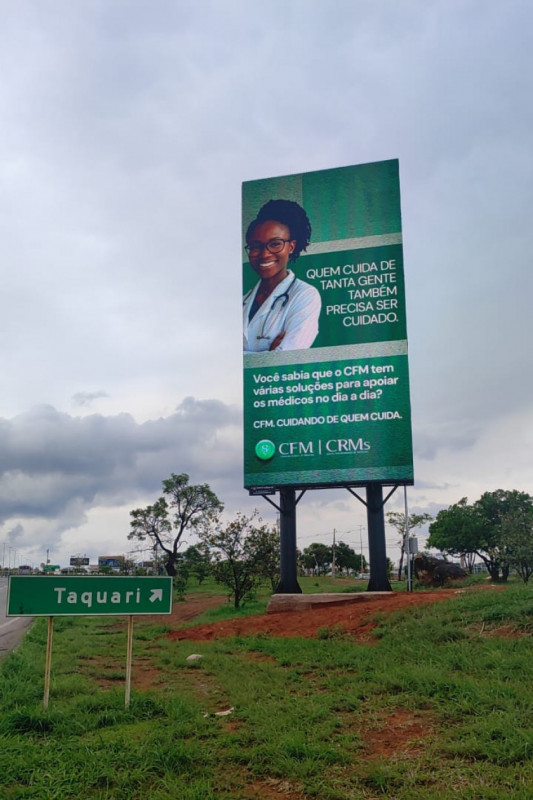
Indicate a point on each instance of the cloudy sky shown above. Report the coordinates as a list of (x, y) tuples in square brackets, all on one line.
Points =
[(127, 128)]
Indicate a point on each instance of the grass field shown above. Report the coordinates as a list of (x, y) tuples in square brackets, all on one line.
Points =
[(439, 704)]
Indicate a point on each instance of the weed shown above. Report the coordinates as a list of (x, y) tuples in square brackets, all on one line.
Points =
[(331, 632)]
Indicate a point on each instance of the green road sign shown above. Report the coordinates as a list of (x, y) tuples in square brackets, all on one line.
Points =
[(51, 596)]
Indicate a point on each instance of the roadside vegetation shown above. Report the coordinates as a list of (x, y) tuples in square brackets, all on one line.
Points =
[(497, 528), (438, 704)]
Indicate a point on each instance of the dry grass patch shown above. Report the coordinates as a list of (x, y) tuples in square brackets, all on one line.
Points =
[(273, 789)]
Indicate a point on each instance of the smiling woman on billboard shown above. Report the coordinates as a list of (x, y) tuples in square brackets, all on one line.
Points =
[(281, 311)]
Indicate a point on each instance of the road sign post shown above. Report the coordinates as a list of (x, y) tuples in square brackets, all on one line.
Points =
[(52, 596), (48, 662)]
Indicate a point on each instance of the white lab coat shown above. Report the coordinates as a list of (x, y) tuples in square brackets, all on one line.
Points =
[(293, 307)]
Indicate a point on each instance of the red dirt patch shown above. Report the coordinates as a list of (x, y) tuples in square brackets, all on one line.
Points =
[(504, 631), (354, 618), (400, 732), (145, 676), (189, 609)]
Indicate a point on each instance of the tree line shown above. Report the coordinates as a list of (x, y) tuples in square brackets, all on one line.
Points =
[(320, 559), (240, 554), (497, 529)]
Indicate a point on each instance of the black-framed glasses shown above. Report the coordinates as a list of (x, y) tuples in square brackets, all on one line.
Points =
[(275, 245)]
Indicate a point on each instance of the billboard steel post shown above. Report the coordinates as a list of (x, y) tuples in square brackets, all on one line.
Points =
[(379, 579), (287, 527)]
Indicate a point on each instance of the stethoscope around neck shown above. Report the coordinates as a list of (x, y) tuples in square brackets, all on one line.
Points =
[(284, 297)]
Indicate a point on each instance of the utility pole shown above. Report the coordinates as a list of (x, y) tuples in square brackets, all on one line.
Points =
[(333, 570)]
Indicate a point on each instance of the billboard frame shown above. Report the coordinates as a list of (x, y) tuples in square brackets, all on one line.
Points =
[(362, 210)]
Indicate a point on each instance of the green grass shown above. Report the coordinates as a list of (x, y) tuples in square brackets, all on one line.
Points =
[(208, 587), (256, 605), (439, 705)]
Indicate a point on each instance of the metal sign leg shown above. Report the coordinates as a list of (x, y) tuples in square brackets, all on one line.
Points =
[(48, 664), (287, 527), (379, 578), (128, 661)]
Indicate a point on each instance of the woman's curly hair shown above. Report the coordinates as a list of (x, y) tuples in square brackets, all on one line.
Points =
[(290, 214)]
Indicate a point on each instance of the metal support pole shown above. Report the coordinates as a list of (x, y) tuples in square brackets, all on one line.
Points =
[(129, 652), (288, 583), (379, 579), (408, 543), (48, 664)]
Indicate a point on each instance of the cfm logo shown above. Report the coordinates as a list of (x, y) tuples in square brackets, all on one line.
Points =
[(265, 449)]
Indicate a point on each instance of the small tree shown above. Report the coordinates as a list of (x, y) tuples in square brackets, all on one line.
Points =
[(493, 508), (196, 559), (152, 523), (268, 542), (238, 553), (457, 531), (347, 559), (517, 530), (193, 508), (127, 566), (317, 557), (397, 520)]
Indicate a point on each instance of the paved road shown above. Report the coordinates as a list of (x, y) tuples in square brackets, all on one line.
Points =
[(12, 629)]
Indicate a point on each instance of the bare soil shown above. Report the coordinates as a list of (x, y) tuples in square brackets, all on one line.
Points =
[(355, 619)]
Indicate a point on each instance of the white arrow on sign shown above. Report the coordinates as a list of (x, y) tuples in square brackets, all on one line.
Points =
[(157, 594)]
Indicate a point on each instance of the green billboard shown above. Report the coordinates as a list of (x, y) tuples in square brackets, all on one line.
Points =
[(326, 382)]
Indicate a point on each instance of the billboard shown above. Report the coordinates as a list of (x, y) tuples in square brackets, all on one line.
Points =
[(326, 382), (115, 562)]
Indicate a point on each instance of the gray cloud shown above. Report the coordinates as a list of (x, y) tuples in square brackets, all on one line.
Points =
[(430, 440), (53, 464), (14, 534)]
